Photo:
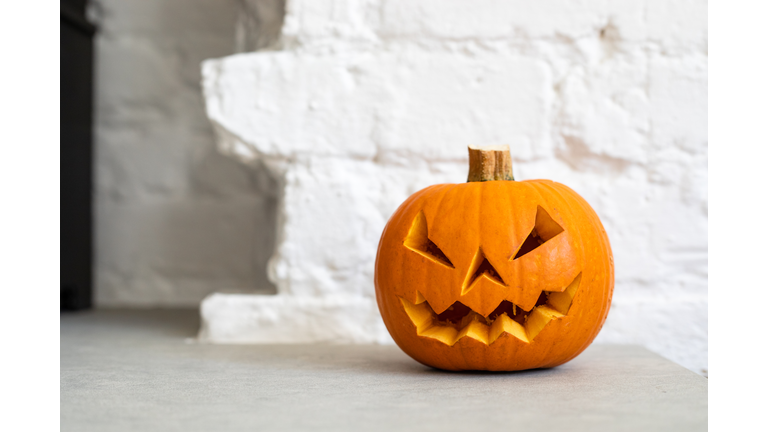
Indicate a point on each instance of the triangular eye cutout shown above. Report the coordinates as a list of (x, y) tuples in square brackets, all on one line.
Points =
[(480, 267), (417, 241), (543, 231)]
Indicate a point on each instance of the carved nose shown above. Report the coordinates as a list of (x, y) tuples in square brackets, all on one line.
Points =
[(480, 268)]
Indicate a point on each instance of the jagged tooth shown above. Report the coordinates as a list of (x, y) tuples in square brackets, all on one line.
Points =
[(497, 328), (538, 319), (439, 306), (445, 334), (476, 330), (520, 304), (504, 323), (561, 301), (423, 317), (420, 314), (469, 318)]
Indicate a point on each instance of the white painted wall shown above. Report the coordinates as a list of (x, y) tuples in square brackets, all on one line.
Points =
[(360, 103), (175, 220), (356, 104)]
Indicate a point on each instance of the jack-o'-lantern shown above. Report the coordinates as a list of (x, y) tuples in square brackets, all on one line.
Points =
[(494, 274)]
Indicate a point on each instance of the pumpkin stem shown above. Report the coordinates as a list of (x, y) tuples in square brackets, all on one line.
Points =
[(489, 164)]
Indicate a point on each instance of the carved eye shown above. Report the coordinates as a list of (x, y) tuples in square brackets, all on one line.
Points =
[(418, 241), (544, 230)]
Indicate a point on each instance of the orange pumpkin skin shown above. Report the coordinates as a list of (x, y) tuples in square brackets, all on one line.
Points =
[(496, 217)]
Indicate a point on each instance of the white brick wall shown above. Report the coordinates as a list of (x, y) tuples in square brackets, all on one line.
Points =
[(360, 103), (175, 220), (369, 101)]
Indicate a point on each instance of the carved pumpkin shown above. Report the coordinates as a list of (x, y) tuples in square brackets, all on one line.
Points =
[(494, 274)]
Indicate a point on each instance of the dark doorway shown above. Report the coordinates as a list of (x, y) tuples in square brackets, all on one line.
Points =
[(76, 155)]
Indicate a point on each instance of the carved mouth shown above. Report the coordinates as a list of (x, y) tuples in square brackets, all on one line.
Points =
[(460, 321)]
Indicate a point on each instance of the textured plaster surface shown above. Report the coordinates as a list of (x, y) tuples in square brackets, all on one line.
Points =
[(175, 219), (356, 105), (142, 371)]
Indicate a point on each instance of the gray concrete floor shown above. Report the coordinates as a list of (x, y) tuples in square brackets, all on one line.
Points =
[(143, 371)]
